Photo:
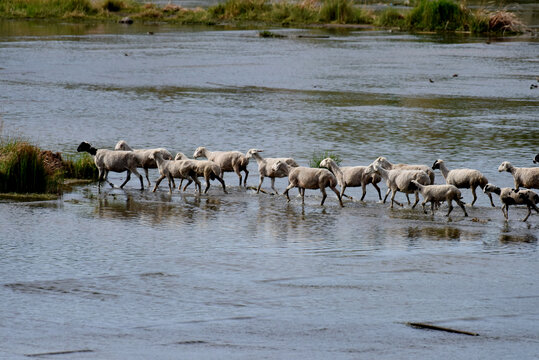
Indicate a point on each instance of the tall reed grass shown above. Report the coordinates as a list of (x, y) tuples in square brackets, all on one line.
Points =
[(80, 167), (317, 158), (22, 170)]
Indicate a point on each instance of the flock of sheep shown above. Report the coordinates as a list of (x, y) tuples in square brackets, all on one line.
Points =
[(405, 178)]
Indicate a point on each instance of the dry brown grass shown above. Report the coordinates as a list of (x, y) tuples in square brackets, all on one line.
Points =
[(504, 21)]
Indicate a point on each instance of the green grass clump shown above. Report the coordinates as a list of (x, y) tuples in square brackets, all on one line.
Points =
[(339, 11), (46, 8), (437, 15), (80, 167), (22, 170), (390, 17), (317, 158)]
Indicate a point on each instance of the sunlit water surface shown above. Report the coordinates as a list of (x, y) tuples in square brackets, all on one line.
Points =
[(123, 274)]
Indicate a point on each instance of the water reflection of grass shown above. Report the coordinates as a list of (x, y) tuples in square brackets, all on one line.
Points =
[(426, 15)]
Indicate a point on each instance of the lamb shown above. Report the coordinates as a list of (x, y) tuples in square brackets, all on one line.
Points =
[(265, 167), (227, 160), (510, 196), (110, 160), (463, 178), (352, 176), (439, 193), (400, 180), (308, 178), (143, 156), (525, 177), (206, 168), (182, 169)]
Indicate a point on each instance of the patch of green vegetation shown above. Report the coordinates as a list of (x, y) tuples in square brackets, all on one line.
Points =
[(339, 11), (80, 167), (391, 17), (22, 170), (317, 158), (437, 15)]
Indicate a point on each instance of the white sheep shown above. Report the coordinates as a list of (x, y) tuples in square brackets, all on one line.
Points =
[(181, 169), (308, 178), (510, 196), (227, 160), (352, 176), (525, 177), (143, 156), (265, 167), (400, 180), (389, 166), (205, 168), (536, 159), (463, 178), (110, 160), (438, 193)]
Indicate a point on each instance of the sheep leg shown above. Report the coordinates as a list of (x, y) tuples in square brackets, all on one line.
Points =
[(197, 184), (461, 204), (147, 176), (273, 185), (474, 195), (180, 186), (408, 198), (377, 189), (302, 193), (416, 199), (290, 186), (324, 195), (393, 199), (170, 182), (387, 194), (432, 206), (260, 183), (222, 183), (529, 213), (207, 184), (126, 179), (364, 189), (189, 181), (490, 197), (338, 195), (342, 192), (107, 178), (450, 202), (505, 211), (237, 171), (423, 206), (246, 176), (158, 181)]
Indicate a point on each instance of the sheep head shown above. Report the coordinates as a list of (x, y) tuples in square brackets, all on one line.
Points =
[(383, 162), (536, 159), (180, 156), (437, 164), (199, 152), (122, 145), (326, 163), (280, 166), (251, 152), (491, 188), (86, 147), (505, 166)]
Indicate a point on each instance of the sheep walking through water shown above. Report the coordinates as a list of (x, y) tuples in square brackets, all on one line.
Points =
[(463, 178), (439, 193), (143, 156), (536, 159), (205, 168), (352, 176), (227, 160), (525, 177), (171, 169), (265, 167), (510, 196), (400, 180), (111, 160), (308, 178)]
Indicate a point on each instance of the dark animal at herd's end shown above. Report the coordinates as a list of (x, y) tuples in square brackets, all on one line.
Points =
[(536, 159), (85, 147)]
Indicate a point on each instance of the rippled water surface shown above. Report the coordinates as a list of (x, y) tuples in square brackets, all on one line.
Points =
[(129, 274)]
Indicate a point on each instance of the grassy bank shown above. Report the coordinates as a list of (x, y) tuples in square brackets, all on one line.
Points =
[(424, 15), (26, 169)]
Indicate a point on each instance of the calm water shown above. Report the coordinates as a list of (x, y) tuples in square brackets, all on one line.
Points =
[(124, 274)]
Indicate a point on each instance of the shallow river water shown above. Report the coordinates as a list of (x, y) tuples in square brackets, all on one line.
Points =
[(128, 274)]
